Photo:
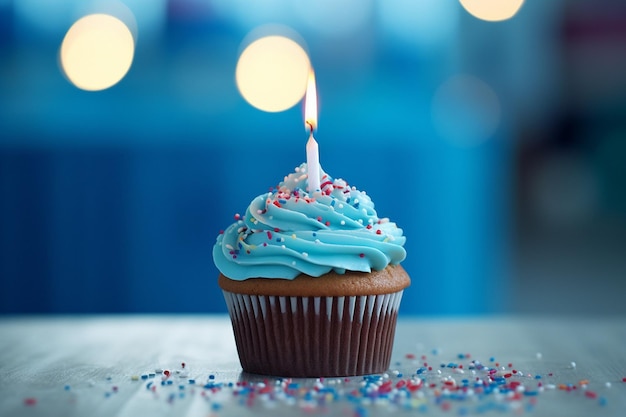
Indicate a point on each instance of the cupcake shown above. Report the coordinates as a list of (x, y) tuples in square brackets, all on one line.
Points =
[(312, 282)]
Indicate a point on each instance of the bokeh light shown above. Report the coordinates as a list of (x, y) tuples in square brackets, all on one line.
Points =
[(466, 111), (272, 73), (113, 8), (492, 10), (97, 52)]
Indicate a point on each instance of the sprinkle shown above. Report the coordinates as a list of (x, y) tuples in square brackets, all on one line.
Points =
[(572, 365), (30, 401)]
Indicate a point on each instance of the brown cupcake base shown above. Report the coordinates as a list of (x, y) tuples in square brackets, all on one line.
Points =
[(294, 336)]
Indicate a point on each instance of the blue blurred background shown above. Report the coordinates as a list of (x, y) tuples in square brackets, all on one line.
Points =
[(110, 201)]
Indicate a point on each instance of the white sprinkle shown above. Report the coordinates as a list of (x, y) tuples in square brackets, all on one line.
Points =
[(361, 221), (271, 217), (343, 222), (317, 241), (340, 206), (293, 262), (539, 355), (608, 385), (305, 254), (283, 246), (573, 365), (550, 386), (356, 201)]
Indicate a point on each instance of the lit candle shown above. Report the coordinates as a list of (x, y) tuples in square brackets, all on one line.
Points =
[(310, 124)]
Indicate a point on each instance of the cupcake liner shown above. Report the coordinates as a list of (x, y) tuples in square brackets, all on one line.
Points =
[(314, 336)]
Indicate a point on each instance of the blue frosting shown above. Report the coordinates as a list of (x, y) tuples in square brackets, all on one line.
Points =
[(287, 232)]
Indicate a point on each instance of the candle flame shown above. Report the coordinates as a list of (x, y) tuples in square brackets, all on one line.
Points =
[(310, 104)]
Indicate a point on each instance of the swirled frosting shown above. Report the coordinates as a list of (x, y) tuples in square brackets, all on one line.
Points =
[(288, 231)]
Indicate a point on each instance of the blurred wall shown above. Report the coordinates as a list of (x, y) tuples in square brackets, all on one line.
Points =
[(110, 201)]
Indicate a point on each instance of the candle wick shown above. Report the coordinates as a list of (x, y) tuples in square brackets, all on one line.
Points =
[(310, 127)]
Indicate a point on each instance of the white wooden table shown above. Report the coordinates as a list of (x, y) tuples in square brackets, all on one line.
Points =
[(107, 366)]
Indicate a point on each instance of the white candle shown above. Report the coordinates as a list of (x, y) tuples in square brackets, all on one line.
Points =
[(313, 164), (310, 123)]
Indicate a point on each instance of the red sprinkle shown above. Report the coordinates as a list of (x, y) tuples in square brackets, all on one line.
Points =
[(362, 255), (30, 401), (183, 365), (166, 373), (378, 232), (624, 379), (590, 394)]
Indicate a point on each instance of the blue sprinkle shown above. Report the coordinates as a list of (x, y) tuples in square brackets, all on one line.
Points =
[(169, 382), (492, 359), (602, 401), (148, 385), (360, 412), (192, 381), (211, 376), (151, 375), (400, 375), (144, 376), (181, 387), (537, 376), (531, 393), (107, 394), (216, 406), (67, 388), (314, 234), (461, 356)]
